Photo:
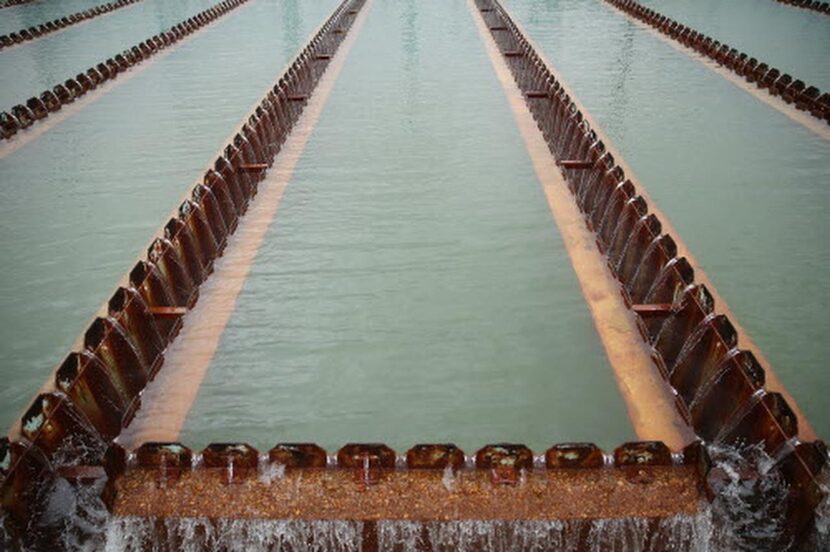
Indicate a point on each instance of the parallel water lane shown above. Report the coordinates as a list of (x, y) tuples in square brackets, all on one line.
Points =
[(26, 15), (30, 68), (744, 186), (74, 219), (795, 41), (413, 286)]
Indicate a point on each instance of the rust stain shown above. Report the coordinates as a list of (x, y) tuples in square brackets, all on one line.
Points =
[(647, 395), (423, 495), (168, 399), (805, 429)]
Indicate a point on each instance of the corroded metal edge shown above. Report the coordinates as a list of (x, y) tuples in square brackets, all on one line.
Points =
[(791, 90), (43, 29), (720, 387), (37, 108), (97, 389), (429, 483)]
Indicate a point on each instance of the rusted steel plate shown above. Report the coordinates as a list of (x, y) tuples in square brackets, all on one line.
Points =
[(644, 481)]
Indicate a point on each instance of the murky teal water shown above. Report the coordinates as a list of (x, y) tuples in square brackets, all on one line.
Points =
[(31, 68), (16, 18), (747, 189), (27, 15), (78, 205), (795, 41), (413, 286)]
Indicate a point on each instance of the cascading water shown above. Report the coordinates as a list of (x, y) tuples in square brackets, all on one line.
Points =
[(750, 498), (747, 513)]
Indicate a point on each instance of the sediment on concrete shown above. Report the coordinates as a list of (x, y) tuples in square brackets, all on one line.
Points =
[(43, 29), (97, 389), (38, 108), (720, 388), (790, 89)]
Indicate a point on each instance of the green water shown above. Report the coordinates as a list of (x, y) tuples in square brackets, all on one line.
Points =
[(413, 286), (79, 204), (746, 188)]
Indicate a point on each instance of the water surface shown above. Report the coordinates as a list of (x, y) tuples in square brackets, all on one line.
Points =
[(747, 188), (794, 40), (21, 17), (79, 204), (413, 286), (29, 69)]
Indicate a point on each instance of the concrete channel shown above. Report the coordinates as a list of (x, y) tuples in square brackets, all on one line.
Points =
[(257, 316)]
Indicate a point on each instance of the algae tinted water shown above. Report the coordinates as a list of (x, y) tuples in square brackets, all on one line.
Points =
[(413, 286), (746, 188), (79, 204)]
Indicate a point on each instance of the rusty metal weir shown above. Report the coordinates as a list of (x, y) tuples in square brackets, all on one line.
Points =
[(12, 3), (812, 5), (36, 108), (720, 388), (68, 430), (793, 91), (37, 31)]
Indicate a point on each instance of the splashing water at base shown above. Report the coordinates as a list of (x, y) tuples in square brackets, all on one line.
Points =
[(203, 534), (270, 472), (621, 535), (750, 500)]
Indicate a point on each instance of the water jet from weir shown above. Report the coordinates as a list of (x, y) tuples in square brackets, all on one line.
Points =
[(61, 466)]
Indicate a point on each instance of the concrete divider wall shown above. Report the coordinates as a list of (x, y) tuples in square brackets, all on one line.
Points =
[(97, 389), (719, 387)]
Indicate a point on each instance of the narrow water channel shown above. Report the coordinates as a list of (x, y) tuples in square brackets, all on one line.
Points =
[(413, 286), (29, 69), (745, 187), (27, 15), (77, 206)]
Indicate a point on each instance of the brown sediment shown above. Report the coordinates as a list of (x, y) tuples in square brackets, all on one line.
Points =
[(648, 397), (422, 495), (805, 430), (812, 123), (170, 397), (17, 135)]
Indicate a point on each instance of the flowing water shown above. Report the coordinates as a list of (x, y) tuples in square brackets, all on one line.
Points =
[(745, 187), (413, 286), (74, 218)]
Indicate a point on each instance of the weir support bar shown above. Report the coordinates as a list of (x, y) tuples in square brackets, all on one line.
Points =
[(432, 484), (719, 387)]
